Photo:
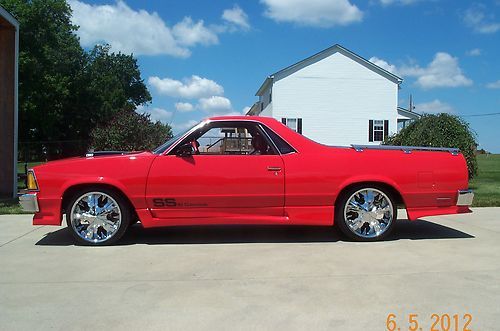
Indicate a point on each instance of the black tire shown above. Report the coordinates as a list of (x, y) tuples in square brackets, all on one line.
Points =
[(343, 223), (125, 213)]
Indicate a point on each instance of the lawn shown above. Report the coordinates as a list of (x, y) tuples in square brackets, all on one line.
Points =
[(10, 206), (486, 184)]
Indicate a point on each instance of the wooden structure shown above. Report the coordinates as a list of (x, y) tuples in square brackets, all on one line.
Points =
[(9, 50)]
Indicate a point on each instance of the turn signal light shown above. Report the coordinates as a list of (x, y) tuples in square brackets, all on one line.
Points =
[(32, 185)]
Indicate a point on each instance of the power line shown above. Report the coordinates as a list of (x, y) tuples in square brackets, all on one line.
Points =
[(478, 115)]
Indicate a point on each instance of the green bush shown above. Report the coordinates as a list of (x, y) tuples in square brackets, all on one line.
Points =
[(130, 131), (441, 130)]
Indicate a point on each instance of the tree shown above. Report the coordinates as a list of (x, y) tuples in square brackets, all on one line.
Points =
[(130, 131), (109, 84), (50, 57), (441, 130), (64, 91)]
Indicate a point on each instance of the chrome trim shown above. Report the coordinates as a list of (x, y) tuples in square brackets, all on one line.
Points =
[(465, 197), (29, 202), (406, 149)]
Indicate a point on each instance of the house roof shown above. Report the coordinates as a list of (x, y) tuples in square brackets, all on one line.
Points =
[(320, 56), (9, 17), (408, 113)]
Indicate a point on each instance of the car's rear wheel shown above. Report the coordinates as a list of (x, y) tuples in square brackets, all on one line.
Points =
[(97, 216), (366, 213)]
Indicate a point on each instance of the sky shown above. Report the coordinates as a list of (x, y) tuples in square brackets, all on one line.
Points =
[(205, 58)]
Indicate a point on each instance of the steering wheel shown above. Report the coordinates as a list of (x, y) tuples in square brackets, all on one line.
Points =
[(195, 144)]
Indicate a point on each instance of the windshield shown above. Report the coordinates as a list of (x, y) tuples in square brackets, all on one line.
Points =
[(162, 148)]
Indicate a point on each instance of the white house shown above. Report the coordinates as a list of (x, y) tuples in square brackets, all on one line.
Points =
[(335, 97)]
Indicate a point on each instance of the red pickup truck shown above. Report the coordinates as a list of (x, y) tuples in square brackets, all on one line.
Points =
[(247, 170)]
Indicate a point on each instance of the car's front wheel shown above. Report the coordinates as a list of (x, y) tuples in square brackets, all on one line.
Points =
[(366, 213), (97, 216)]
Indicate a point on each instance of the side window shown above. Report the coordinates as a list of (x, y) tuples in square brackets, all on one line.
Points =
[(282, 145), (293, 123), (225, 141), (230, 138)]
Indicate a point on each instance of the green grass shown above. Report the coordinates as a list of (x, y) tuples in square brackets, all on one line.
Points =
[(10, 206), (486, 184)]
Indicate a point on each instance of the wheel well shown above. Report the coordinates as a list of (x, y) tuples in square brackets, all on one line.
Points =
[(398, 199), (70, 192)]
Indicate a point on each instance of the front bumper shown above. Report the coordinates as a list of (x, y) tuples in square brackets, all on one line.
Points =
[(29, 203), (465, 198)]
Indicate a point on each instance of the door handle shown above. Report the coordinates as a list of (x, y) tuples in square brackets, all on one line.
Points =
[(273, 168)]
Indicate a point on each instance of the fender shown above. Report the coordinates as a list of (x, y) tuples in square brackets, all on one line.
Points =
[(373, 178)]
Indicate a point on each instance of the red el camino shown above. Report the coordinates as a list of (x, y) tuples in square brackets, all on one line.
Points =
[(247, 170)]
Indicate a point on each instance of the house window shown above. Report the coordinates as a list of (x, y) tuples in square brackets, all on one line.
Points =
[(293, 123), (270, 97), (378, 130)]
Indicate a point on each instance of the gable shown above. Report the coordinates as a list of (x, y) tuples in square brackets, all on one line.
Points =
[(325, 55), (336, 69)]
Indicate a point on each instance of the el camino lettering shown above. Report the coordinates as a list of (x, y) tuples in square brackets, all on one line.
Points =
[(170, 202), (164, 202)]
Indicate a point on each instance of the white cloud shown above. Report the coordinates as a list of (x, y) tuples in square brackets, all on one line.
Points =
[(145, 33), (384, 65), (236, 16), (189, 33), (476, 17), (184, 107), (474, 52), (443, 71), (215, 104), (494, 85), (156, 114), (434, 107), (318, 13), (189, 88), (127, 30), (398, 2), (245, 110)]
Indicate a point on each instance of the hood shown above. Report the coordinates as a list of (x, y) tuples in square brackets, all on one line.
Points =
[(93, 157)]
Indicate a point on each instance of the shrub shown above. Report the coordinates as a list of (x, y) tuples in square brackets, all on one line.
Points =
[(441, 130), (130, 131)]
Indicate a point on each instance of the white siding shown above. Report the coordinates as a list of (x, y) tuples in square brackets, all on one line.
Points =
[(335, 97)]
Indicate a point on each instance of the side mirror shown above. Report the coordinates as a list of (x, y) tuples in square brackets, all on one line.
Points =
[(185, 150)]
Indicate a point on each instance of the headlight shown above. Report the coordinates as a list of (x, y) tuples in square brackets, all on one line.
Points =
[(31, 182)]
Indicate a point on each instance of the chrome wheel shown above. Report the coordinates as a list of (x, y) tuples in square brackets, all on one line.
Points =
[(96, 217), (368, 213)]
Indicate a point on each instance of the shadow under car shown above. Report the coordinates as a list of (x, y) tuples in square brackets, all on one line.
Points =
[(236, 234)]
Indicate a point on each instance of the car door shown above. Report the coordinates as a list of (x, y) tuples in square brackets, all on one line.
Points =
[(225, 180)]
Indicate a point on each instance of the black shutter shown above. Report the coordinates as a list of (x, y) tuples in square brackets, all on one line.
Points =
[(386, 129), (370, 131), (283, 120), (299, 125)]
